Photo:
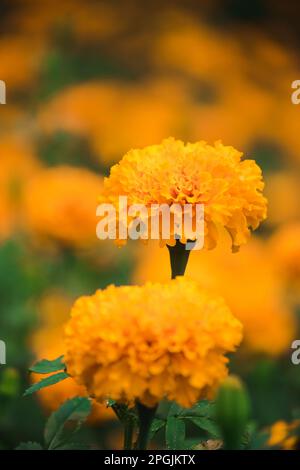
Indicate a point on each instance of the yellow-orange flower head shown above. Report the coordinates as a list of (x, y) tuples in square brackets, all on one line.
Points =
[(151, 342), (172, 172)]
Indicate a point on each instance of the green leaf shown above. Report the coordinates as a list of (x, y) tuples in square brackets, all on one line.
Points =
[(51, 380), (202, 409), (156, 425), (29, 446), (250, 432), (207, 425), (175, 410), (46, 367), (77, 409), (175, 433)]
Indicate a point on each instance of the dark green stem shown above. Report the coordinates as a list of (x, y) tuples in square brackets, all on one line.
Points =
[(179, 257), (146, 416), (128, 434), (127, 418), (118, 410)]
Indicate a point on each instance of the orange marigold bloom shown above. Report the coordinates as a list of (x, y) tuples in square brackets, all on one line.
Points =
[(281, 435), (20, 58), (91, 21), (285, 245), (172, 172), (283, 193), (60, 203), (285, 249), (151, 342), (149, 111)]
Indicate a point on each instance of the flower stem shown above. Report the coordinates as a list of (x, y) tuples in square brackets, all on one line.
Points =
[(127, 418), (146, 416), (128, 434), (179, 257)]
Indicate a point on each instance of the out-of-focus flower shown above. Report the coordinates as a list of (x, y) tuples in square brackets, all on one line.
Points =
[(283, 193), (143, 113), (18, 164), (20, 60), (281, 435), (247, 280), (287, 128), (80, 108), (203, 53), (189, 46), (60, 204), (236, 97), (149, 112), (197, 49), (229, 188), (274, 61), (88, 22), (53, 310), (47, 343), (12, 120), (150, 342), (285, 249)]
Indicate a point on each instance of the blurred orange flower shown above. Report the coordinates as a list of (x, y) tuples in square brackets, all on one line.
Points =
[(283, 193), (285, 249), (188, 45), (88, 21), (281, 435), (20, 60), (60, 204), (143, 114), (247, 280), (236, 97)]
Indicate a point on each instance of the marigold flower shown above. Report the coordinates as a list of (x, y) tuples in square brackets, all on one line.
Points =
[(249, 283), (172, 172), (204, 53), (60, 204), (281, 434), (20, 58), (149, 111), (90, 22), (283, 193), (150, 342), (285, 249)]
